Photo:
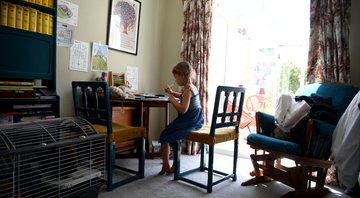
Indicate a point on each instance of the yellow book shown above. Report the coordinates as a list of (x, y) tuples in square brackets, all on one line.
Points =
[(11, 15), (19, 16), (26, 18), (32, 1), (39, 22), (51, 21), (45, 23), (33, 19), (51, 3), (4, 13), (45, 3), (38, 2)]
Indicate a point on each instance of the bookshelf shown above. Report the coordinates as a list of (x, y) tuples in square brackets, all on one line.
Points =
[(28, 53)]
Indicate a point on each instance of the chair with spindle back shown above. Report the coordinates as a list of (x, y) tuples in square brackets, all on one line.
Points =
[(92, 102), (224, 127)]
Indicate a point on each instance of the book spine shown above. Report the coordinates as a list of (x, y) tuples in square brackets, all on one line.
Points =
[(3, 13), (39, 25), (45, 3), (19, 16), (16, 88), (51, 3), (51, 20), (11, 15), (33, 19), (16, 83), (32, 1), (45, 23), (38, 2), (26, 19)]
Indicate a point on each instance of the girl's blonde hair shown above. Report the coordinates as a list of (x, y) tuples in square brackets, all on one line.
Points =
[(184, 68)]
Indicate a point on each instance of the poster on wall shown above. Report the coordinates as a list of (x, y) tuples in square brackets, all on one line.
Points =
[(123, 30), (65, 35), (67, 12), (79, 56), (99, 57), (132, 78)]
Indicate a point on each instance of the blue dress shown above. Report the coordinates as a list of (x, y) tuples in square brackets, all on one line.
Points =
[(192, 119)]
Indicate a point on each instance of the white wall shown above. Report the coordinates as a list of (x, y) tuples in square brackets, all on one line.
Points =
[(158, 49)]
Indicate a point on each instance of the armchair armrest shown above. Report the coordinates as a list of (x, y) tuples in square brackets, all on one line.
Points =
[(265, 123), (319, 139)]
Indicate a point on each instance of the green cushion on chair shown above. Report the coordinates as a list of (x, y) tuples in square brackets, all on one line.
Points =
[(221, 135), (121, 133), (275, 144)]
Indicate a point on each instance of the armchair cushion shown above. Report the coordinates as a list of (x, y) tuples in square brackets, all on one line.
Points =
[(121, 133), (222, 135), (267, 122), (275, 144), (322, 132)]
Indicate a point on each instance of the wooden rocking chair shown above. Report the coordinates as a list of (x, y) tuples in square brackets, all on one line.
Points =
[(311, 157)]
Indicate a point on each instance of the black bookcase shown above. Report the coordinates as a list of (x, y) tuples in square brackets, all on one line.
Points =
[(26, 56)]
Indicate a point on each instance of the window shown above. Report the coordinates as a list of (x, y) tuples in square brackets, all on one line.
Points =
[(261, 45)]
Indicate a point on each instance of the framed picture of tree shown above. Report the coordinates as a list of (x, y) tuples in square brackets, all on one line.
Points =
[(123, 25)]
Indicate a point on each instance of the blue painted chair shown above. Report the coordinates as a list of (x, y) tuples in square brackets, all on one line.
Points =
[(224, 127), (311, 154), (92, 102)]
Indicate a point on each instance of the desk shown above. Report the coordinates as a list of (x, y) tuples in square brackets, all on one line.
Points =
[(144, 106)]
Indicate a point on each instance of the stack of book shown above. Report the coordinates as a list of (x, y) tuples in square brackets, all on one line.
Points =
[(17, 90), (46, 3), (25, 18)]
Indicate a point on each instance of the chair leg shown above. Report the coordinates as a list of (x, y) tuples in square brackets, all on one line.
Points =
[(210, 169), (176, 160), (202, 157), (110, 164), (236, 147), (141, 153)]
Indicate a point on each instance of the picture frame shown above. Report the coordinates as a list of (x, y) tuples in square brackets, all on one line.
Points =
[(123, 25)]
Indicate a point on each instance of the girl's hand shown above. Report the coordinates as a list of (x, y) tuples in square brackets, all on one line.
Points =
[(168, 90), (171, 98)]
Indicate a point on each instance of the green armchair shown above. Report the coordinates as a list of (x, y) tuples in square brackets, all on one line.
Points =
[(311, 153)]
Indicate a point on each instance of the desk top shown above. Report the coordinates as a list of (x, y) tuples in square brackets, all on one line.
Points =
[(152, 99)]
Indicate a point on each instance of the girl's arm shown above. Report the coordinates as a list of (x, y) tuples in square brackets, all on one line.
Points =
[(184, 105), (168, 90)]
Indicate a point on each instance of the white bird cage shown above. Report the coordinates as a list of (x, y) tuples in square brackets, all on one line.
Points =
[(61, 157)]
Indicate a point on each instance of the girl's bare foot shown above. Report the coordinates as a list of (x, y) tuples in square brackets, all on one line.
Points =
[(166, 170), (162, 172)]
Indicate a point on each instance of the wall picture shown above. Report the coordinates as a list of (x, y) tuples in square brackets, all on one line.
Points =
[(123, 27)]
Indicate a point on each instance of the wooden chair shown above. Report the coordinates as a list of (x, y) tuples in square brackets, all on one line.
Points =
[(310, 155), (224, 127), (255, 103), (92, 102)]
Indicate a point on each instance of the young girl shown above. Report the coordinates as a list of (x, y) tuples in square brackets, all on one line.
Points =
[(190, 118)]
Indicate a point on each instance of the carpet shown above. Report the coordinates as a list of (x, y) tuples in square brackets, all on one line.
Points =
[(164, 186)]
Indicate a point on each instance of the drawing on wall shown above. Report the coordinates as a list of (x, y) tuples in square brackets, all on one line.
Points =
[(123, 30), (67, 12), (79, 55), (99, 57)]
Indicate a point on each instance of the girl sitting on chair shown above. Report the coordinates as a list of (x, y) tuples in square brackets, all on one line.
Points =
[(187, 103)]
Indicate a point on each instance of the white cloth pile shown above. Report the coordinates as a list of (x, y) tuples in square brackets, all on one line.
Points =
[(288, 112)]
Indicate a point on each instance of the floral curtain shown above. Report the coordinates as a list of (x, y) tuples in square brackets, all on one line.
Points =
[(329, 59), (196, 46)]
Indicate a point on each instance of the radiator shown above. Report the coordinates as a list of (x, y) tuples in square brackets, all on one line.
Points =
[(61, 157)]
